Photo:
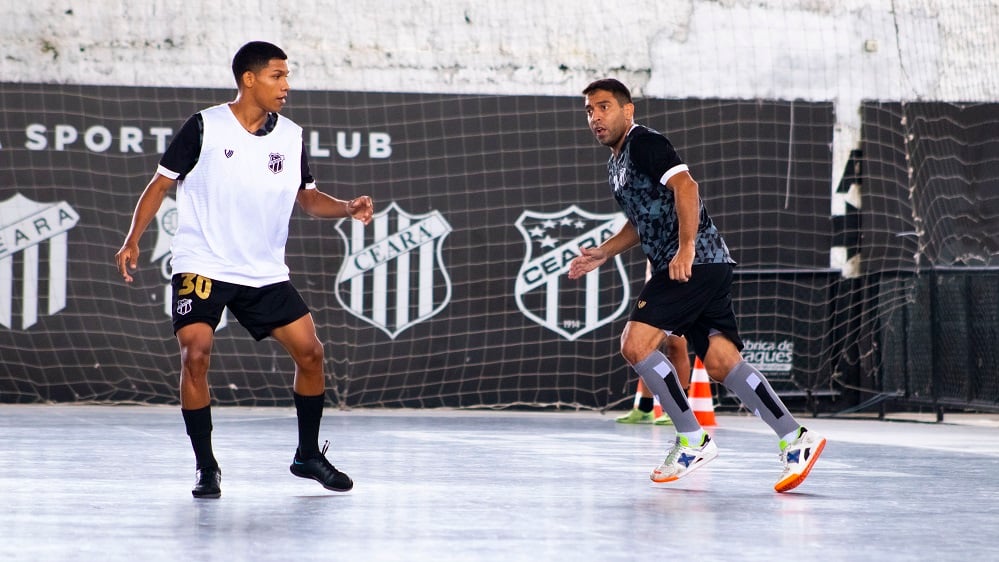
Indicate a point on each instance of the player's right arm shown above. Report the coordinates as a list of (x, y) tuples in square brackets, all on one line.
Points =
[(145, 211), (179, 159), (592, 258)]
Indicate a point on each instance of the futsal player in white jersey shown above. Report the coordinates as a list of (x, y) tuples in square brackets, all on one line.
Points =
[(239, 169)]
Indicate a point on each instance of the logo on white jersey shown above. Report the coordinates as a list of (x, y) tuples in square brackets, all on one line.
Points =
[(24, 226), (276, 163), (394, 276), (546, 295)]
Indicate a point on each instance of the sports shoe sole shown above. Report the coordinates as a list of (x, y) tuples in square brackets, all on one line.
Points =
[(793, 482), (323, 484)]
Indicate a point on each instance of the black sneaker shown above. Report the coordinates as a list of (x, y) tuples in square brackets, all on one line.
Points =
[(321, 470), (208, 483)]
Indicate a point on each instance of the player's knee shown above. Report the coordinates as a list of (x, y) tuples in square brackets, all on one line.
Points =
[(311, 357), (718, 367), (634, 352), (194, 360), (712, 369)]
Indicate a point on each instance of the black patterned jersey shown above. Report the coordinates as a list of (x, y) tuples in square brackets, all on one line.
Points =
[(638, 175)]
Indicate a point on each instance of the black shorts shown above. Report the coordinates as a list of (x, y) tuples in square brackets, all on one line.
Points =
[(197, 298), (693, 309)]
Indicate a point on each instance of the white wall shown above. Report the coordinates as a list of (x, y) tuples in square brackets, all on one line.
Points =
[(813, 49), (839, 50)]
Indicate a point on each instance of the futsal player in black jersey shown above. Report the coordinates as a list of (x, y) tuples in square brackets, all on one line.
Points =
[(240, 168), (688, 294)]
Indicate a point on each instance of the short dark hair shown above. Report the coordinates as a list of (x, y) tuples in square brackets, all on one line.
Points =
[(614, 86), (253, 56)]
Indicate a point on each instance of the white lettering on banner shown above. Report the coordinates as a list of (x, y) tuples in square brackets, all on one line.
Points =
[(97, 139), (130, 139), (64, 136), (314, 150), (556, 262), (769, 356), (379, 145), (341, 144), (24, 225), (416, 235), (161, 134)]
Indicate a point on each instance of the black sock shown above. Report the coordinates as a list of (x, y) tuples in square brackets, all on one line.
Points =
[(645, 403), (310, 413), (199, 428)]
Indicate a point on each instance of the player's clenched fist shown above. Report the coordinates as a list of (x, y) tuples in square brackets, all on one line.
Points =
[(361, 209)]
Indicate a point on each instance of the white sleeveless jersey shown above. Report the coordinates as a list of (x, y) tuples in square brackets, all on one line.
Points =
[(234, 206)]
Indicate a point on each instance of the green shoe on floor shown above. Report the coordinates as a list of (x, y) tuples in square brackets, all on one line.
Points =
[(663, 420), (635, 416)]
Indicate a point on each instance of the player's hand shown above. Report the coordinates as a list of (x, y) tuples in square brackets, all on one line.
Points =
[(587, 260), (127, 258), (361, 209), (680, 267)]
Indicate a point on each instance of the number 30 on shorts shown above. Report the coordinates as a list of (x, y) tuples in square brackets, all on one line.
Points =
[(194, 283)]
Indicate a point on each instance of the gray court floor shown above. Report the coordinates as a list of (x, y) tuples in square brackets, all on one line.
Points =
[(113, 483)]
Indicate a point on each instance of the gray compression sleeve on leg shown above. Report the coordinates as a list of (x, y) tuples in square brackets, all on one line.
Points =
[(755, 392), (660, 376)]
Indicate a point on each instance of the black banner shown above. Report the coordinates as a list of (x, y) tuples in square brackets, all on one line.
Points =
[(456, 295)]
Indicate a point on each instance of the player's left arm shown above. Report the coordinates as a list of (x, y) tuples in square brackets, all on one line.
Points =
[(321, 205), (688, 210), (655, 156)]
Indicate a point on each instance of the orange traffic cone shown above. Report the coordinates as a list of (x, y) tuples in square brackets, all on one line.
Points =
[(657, 408), (700, 395)]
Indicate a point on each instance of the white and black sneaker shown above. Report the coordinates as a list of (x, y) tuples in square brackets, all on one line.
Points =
[(685, 458), (798, 456)]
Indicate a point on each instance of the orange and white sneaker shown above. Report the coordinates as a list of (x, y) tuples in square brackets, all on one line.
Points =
[(798, 457), (684, 458)]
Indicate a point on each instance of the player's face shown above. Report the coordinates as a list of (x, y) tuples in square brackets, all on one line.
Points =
[(270, 85), (608, 119)]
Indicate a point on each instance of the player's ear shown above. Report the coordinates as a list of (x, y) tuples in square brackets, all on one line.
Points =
[(248, 78), (629, 111)]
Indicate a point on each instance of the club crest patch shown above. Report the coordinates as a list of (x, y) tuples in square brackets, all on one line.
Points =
[(183, 306), (276, 163)]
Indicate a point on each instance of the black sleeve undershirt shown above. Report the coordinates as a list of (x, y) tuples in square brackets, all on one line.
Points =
[(185, 149)]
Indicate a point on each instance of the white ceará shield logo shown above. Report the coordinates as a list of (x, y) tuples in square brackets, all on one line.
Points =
[(544, 294), (393, 276), (25, 227)]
